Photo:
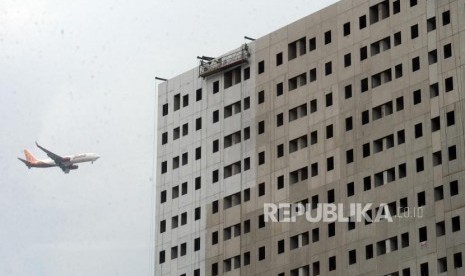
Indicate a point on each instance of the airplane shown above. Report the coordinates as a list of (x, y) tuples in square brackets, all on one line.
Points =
[(66, 163)]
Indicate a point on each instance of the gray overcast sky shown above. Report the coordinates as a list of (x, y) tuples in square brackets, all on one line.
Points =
[(78, 76)]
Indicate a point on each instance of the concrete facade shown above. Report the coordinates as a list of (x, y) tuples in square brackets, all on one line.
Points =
[(361, 102)]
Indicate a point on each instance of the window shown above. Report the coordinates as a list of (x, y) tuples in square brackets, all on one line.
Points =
[(433, 57), (165, 110), (261, 158), (216, 87), (216, 116), (164, 166), (456, 224), (415, 64), (198, 94), (161, 258), (198, 183), (434, 90), (421, 199), (449, 83), (162, 226), (330, 164), (185, 129), (198, 123), (197, 213), (313, 75), (349, 156), (379, 11), (280, 150), (332, 263), (458, 260), (424, 269), (447, 51), (363, 53), (346, 28), (435, 124), (450, 117), (349, 124), (418, 130), (413, 3), (280, 246), (327, 37), (184, 158), (331, 229), (315, 234), (329, 131), (362, 22), (365, 117), (177, 102), (261, 189), (214, 269), (261, 67), (215, 237), (246, 133), (313, 106), (347, 60), (329, 99), (279, 89), (280, 182), (414, 31), (454, 188), (368, 251), (164, 138), (350, 189), (452, 150), (348, 91), (279, 59), (405, 241), (312, 44), (420, 164), (297, 48), (185, 100), (352, 257), (198, 153), (438, 193), (261, 97), (215, 176), (328, 68), (261, 253), (400, 137), (431, 24), (246, 103), (397, 38), (396, 6), (364, 85), (366, 149), (313, 137), (215, 207), (445, 18), (416, 97), (261, 127), (247, 73), (216, 145), (398, 71)]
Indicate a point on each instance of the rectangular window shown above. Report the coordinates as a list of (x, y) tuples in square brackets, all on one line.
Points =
[(447, 51), (347, 60), (327, 37), (279, 59), (261, 67), (328, 68), (312, 44), (445, 18), (348, 91), (431, 24), (449, 84), (414, 31), (279, 89), (415, 64), (346, 29), (362, 22)]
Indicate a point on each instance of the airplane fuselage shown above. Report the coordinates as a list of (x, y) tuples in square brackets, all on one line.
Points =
[(68, 160)]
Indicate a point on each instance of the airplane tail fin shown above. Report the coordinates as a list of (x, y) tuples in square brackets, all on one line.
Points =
[(29, 157)]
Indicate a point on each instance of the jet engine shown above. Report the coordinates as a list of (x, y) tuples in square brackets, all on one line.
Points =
[(73, 167)]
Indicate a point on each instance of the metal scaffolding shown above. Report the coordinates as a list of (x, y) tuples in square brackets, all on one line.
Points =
[(209, 67)]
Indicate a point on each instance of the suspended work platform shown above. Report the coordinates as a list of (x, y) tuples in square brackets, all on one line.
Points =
[(210, 66)]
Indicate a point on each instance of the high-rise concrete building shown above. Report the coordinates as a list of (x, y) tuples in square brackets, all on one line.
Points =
[(361, 102)]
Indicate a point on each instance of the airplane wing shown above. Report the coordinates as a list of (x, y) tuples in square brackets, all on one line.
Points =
[(58, 159)]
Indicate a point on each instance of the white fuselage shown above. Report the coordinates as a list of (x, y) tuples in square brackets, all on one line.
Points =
[(73, 159)]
